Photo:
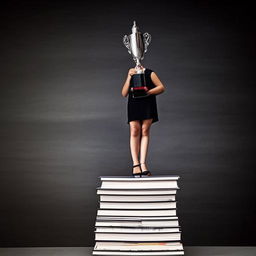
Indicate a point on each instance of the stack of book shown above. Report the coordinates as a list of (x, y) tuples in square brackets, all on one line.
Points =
[(137, 216)]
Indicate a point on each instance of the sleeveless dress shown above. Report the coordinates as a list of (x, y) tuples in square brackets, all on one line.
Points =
[(143, 108)]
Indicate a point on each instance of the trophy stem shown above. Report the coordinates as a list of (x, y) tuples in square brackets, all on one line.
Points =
[(138, 67)]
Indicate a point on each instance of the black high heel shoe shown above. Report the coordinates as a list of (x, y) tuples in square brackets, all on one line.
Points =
[(147, 172), (137, 175)]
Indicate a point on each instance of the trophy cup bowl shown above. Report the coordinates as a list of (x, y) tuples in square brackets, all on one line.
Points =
[(137, 44)]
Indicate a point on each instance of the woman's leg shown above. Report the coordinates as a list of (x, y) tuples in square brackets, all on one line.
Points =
[(145, 129), (135, 134)]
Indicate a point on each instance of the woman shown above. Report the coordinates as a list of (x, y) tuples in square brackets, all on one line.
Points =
[(142, 112)]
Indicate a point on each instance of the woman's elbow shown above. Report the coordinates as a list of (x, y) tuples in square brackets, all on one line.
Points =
[(123, 94)]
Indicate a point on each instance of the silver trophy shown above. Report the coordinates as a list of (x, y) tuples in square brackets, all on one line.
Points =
[(137, 45)]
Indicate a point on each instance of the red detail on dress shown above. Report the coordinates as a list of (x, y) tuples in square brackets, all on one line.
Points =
[(140, 88)]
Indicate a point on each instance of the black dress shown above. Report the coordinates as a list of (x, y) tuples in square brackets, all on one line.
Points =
[(143, 108)]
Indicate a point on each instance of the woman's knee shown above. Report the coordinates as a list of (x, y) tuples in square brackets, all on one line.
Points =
[(145, 130), (135, 130)]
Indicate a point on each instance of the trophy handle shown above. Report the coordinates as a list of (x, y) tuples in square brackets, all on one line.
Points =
[(147, 40), (126, 42)]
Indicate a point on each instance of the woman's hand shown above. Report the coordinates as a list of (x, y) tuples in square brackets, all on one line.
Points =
[(126, 86), (131, 71)]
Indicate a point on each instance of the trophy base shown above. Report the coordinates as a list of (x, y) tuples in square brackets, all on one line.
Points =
[(139, 88), (139, 94)]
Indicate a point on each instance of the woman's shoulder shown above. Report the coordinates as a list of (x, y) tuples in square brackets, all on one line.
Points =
[(149, 70)]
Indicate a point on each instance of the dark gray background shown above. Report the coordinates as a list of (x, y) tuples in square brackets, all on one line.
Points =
[(63, 119)]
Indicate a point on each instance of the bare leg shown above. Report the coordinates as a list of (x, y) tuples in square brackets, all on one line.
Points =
[(146, 124), (135, 134)]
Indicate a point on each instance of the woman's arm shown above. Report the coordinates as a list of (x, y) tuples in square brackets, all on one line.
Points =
[(125, 89), (160, 88)]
